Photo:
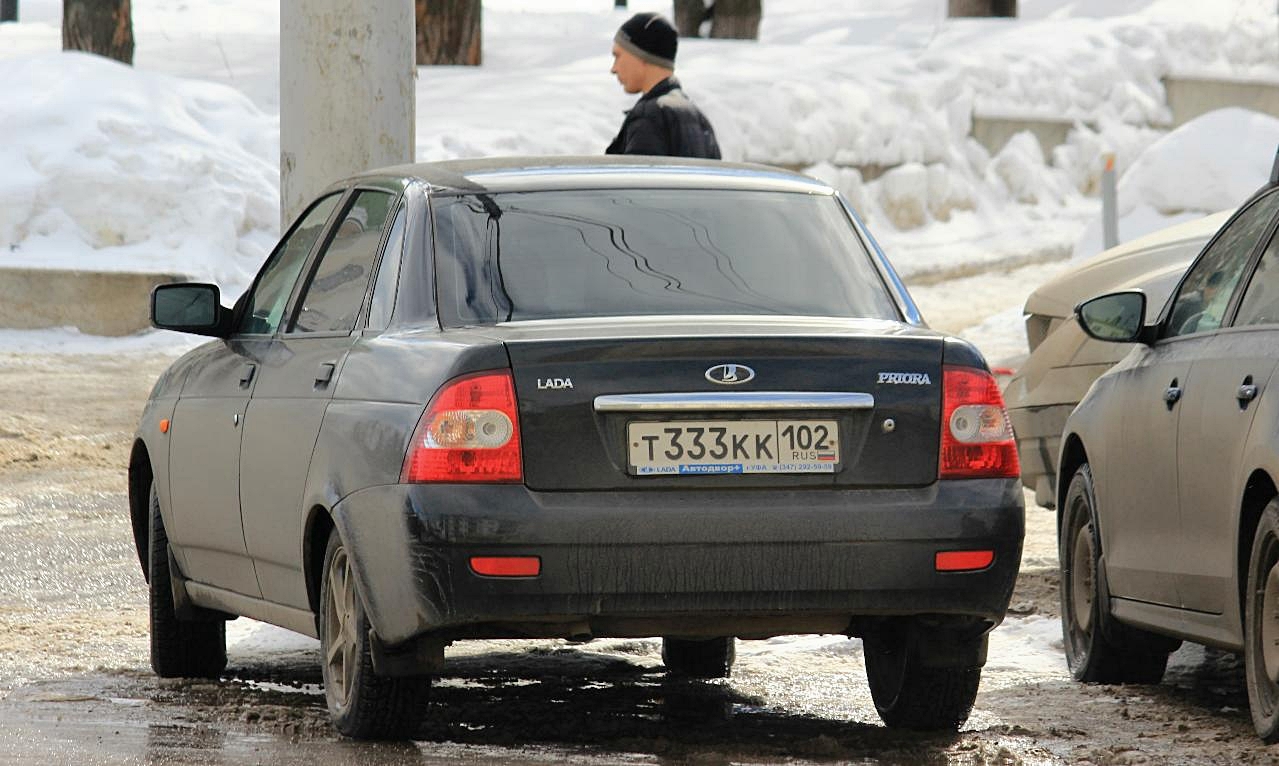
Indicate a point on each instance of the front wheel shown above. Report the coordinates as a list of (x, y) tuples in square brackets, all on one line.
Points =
[(911, 694), (179, 648), (1121, 654), (362, 704), (1261, 626)]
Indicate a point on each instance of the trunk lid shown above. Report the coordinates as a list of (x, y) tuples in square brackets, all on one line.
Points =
[(852, 403)]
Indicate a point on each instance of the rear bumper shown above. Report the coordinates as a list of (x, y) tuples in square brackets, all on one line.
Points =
[(745, 563)]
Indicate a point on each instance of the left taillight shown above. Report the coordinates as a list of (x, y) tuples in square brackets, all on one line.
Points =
[(976, 435), (470, 432)]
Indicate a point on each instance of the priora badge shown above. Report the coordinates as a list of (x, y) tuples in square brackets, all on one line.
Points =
[(730, 374)]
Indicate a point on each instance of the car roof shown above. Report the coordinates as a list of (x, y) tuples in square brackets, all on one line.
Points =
[(515, 174)]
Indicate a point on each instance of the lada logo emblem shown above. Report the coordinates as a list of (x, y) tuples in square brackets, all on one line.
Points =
[(730, 374)]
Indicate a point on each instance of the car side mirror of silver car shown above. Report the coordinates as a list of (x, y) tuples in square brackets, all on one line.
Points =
[(1114, 317), (190, 307)]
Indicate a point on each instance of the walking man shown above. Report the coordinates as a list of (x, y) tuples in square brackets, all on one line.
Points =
[(664, 121)]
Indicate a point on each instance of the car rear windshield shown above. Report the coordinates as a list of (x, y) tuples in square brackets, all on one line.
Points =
[(559, 254)]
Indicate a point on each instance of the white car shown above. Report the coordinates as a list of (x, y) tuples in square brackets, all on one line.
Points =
[(1064, 361)]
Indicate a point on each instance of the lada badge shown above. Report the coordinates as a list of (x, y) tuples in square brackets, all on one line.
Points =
[(730, 374)]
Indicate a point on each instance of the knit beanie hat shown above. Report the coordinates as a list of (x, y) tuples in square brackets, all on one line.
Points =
[(650, 37)]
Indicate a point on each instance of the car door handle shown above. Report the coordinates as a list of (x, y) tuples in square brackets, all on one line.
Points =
[(324, 374), (246, 374), (1247, 392), (1172, 394)]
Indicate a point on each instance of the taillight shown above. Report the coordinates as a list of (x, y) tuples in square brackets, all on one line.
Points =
[(469, 432), (976, 435)]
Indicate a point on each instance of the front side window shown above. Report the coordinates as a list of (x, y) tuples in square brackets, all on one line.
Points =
[(275, 283), (557, 254), (1203, 296), (332, 300)]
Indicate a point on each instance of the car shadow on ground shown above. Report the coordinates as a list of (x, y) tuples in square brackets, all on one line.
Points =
[(578, 699), (506, 705), (575, 697)]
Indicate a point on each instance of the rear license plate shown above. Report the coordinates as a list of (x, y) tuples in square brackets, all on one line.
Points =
[(701, 447)]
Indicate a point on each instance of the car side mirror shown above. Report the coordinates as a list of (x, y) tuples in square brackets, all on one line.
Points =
[(1114, 317), (190, 307)]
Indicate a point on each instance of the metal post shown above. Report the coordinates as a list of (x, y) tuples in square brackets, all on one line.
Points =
[(1109, 204), (619, 3), (8, 10), (347, 93)]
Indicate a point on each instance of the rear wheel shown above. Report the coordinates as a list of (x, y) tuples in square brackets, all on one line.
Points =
[(179, 648), (1261, 626), (361, 703), (1119, 653), (911, 694), (699, 658)]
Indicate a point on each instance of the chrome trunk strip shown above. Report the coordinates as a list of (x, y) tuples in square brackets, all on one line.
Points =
[(713, 401)]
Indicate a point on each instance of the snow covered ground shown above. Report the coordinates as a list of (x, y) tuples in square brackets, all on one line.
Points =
[(172, 165)]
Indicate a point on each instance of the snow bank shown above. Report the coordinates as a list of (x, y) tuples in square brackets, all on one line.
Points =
[(107, 167), (1211, 163)]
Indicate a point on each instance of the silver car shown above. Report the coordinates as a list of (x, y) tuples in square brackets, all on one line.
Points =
[(1169, 473)]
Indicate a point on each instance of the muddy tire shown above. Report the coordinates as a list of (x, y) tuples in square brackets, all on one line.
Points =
[(1098, 651), (910, 695), (699, 658), (179, 648), (362, 704), (1261, 626)]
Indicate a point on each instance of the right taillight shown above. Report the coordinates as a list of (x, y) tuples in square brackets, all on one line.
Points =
[(470, 432), (976, 435)]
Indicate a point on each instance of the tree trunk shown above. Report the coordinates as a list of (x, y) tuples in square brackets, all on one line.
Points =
[(1001, 8), (448, 32), (104, 27), (736, 19), (689, 15)]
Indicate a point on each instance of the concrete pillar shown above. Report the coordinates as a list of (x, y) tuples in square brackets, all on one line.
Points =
[(346, 93)]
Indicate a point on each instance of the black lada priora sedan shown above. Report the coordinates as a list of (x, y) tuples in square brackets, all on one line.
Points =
[(576, 397)]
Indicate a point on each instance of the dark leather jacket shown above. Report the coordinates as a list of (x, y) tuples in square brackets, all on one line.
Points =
[(665, 123)]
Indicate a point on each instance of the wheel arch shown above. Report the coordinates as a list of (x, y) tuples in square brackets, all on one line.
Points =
[(1258, 492), (141, 474), (1073, 455), (319, 525)]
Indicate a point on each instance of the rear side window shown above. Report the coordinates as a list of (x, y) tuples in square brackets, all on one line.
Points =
[(1260, 303), (558, 254), (388, 275), (335, 295)]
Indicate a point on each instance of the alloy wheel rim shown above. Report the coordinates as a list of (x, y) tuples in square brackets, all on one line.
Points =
[(1081, 580), (1269, 617), (340, 645)]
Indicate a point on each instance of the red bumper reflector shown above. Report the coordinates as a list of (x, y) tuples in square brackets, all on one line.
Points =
[(506, 566), (963, 561)]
